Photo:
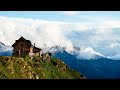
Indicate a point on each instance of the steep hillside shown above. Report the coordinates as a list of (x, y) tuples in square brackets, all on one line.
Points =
[(98, 68), (36, 68)]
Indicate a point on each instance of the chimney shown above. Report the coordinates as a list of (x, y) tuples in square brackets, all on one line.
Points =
[(34, 44)]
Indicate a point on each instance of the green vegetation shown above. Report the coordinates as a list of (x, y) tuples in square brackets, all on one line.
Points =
[(35, 68)]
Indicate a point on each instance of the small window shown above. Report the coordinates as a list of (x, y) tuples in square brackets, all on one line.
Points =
[(16, 51), (27, 52)]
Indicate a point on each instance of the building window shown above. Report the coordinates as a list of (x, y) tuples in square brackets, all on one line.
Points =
[(27, 52), (16, 51)]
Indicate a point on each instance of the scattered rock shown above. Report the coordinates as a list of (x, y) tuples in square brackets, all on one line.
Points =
[(37, 77)]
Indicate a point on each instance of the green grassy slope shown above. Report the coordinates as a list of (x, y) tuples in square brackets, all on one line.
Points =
[(36, 68)]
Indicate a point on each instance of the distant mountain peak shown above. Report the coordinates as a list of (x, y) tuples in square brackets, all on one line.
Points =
[(79, 52), (5, 50), (2, 43), (55, 48)]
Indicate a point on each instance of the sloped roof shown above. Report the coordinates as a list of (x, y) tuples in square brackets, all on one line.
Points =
[(28, 42), (22, 39), (35, 47)]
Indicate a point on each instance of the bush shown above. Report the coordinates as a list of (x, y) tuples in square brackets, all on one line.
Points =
[(27, 57)]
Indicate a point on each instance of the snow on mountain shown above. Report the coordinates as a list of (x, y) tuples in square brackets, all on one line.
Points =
[(100, 68), (88, 53), (55, 49), (115, 49), (114, 57), (4, 48), (80, 53), (89, 50)]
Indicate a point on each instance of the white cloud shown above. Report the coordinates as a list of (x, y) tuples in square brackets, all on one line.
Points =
[(113, 45), (38, 31), (70, 13), (99, 35), (115, 57), (87, 53)]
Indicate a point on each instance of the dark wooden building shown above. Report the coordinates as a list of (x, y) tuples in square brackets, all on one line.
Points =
[(23, 47)]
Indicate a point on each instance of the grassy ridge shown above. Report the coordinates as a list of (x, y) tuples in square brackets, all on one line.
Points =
[(36, 68)]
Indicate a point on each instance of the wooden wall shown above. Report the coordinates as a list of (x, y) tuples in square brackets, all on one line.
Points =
[(21, 47)]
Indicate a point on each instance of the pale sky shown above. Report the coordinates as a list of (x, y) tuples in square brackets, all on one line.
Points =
[(67, 16)]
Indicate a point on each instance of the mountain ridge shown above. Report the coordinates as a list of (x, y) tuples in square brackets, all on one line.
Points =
[(99, 68), (4, 47)]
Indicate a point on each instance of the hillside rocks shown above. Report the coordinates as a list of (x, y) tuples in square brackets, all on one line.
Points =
[(36, 68)]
